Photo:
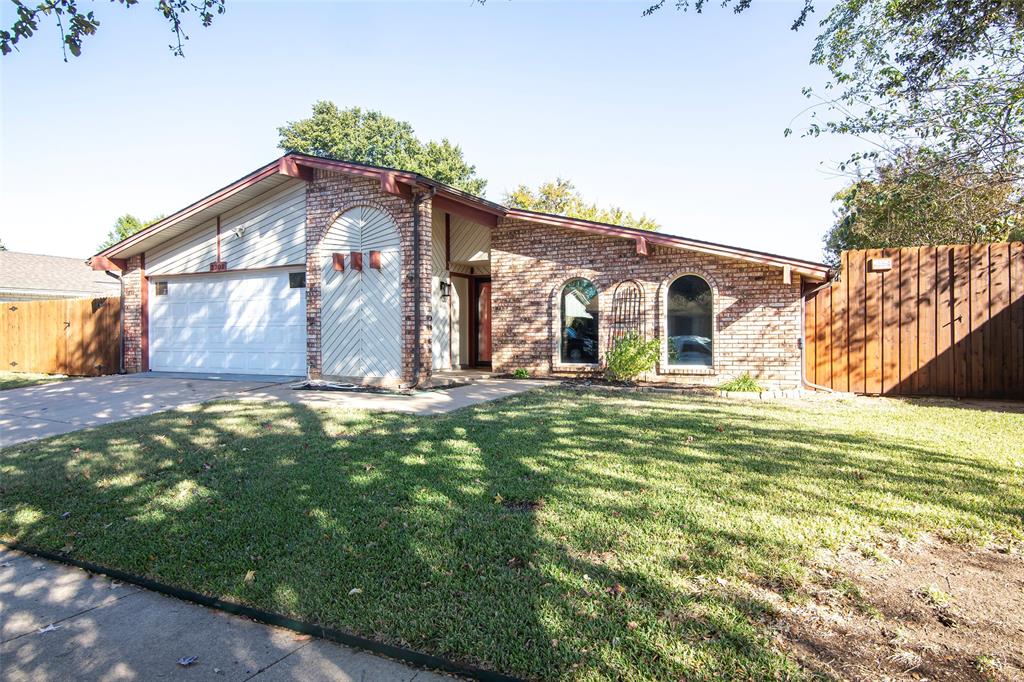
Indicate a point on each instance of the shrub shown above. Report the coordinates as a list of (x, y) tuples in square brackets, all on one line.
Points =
[(630, 357), (743, 383), (521, 374)]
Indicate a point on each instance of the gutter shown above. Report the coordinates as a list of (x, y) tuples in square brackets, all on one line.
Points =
[(803, 335), (418, 198)]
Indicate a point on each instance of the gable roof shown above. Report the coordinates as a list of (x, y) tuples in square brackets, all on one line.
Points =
[(33, 274), (294, 166)]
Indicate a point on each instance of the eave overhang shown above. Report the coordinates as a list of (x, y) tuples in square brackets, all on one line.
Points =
[(301, 167)]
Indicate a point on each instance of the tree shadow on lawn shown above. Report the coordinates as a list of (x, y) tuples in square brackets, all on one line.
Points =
[(554, 535)]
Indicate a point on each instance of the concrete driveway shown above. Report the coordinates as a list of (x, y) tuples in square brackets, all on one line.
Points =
[(61, 623), (53, 409)]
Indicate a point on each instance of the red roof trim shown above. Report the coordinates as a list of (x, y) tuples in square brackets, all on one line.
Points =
[(449, 199), (801, 266), (445, 204), (263, 173)]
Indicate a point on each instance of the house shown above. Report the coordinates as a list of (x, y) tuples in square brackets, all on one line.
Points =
[(309, 266), (30, 276)]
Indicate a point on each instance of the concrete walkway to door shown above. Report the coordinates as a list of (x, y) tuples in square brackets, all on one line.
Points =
[(53, 409), (436, 401)]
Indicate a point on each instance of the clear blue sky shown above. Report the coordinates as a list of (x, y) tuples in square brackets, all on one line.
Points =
[(678, 115)]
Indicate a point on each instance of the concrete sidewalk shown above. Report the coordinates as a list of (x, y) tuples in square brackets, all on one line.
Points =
[(61, 623), (436, 401)]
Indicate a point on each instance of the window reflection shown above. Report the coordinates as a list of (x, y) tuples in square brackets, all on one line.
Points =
[(579, 322), (689, 322)]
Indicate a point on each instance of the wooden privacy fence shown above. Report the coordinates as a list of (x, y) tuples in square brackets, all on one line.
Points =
[(75, 336), (930, 320)]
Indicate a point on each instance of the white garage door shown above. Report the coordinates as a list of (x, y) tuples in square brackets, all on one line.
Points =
[(233, 323)]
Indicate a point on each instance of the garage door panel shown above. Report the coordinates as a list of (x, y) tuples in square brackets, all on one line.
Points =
[(235, 361), (231, 323)]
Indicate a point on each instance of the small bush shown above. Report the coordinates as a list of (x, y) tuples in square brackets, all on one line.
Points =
[(744, 383), (630, 357), (521, 374)]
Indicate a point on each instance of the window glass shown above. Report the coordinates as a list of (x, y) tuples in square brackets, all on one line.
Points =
[(579, 322), (689, 322), (161, 288), (297, 280)]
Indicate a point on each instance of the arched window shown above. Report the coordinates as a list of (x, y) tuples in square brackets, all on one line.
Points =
[(688, 313), (627, 312), (579, 322)]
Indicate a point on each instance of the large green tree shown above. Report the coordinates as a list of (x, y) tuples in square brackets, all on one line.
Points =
[(910, 203), (125, 226), (935, 90), (562, 198), (74, 24), (366, 136)]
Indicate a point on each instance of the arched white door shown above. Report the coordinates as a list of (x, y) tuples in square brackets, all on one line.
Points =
[(361, 310)]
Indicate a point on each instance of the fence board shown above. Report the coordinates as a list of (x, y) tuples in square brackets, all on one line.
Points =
[(943, 374), (979, 314), (961, 320), (926, 319), (79, 337), (823, 351), (908, 331), (891, 324), (873, 326), (945, 320), (1017, 319), (997, 365), (856, 315), (840, 333)]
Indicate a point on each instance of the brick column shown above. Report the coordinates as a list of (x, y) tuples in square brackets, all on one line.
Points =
[(134, 281), (328, 196)]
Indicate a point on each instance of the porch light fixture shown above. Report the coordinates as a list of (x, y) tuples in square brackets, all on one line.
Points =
[(446, 289)]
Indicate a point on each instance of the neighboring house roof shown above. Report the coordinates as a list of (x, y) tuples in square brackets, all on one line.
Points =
[(39, 276), (393, 181)]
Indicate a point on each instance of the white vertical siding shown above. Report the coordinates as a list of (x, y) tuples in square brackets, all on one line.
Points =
[(361, 326), (191, 252), (460, 321), (440, 338), (272, 231)]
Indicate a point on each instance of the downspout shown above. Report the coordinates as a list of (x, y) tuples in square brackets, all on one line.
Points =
[(803, 335), (120, 321), (418, 199)]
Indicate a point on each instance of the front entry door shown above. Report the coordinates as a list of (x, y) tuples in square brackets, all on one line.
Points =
[(483, 322)]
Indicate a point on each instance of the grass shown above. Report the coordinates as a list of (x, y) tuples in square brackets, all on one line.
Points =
[(554, 535), (743, 383), (23, 379)]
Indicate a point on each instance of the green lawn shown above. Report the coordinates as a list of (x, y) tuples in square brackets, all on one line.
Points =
[(22, 379), (554, 535)]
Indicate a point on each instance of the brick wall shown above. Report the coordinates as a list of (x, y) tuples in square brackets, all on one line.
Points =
[(756, 317), (327, 197), (133, 283)]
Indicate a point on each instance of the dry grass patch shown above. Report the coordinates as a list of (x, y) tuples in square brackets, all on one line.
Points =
[(927, 609)]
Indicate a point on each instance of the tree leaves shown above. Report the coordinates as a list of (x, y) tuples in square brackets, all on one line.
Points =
[(124, 227), (920, 199), (371, 137), (562, 198), (75, 25)]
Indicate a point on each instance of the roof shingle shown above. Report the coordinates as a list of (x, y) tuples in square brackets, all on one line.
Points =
[(56, 275)]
